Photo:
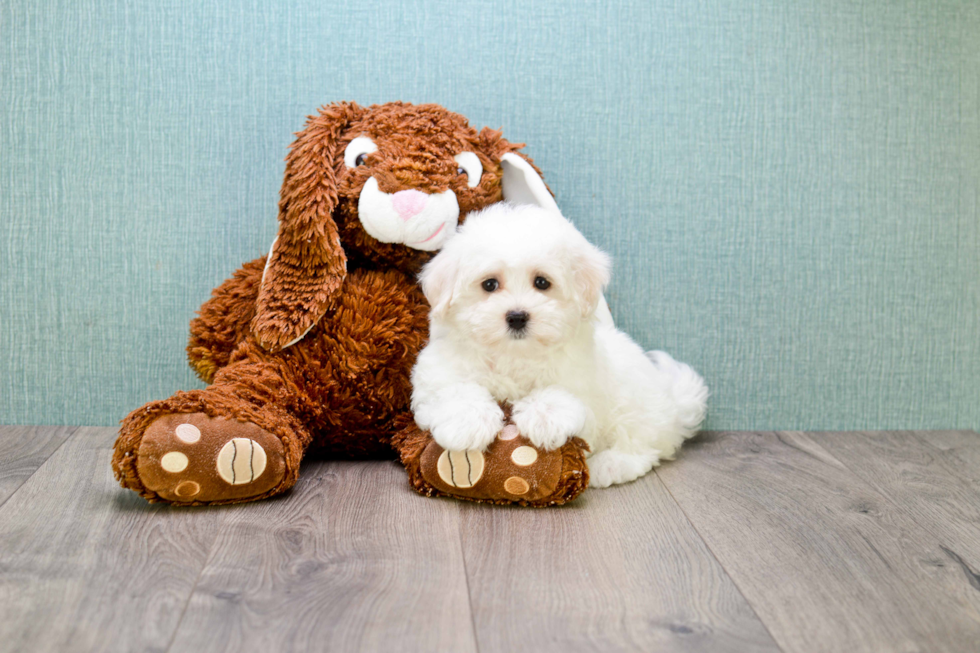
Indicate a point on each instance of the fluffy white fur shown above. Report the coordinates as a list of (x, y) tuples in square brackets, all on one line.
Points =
[(567, 373)]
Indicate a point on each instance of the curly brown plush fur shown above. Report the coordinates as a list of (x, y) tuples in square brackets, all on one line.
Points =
[(314, 344)]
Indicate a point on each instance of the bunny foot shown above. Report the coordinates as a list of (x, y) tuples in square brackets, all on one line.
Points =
[(509, 470), (193, 458)]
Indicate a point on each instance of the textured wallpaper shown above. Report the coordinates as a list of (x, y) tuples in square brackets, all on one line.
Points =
[(789, 190)]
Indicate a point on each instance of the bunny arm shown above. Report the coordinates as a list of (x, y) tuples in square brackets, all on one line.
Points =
[(223, 320)]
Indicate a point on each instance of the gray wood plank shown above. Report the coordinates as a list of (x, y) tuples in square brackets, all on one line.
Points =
[(351, 560), (23, 449), (88, 566), (827, 561), (959, 451), (920, 482), (619, 569)]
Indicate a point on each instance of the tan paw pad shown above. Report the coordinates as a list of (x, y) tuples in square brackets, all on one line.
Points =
[(460, 469), (524, 456), (187, 490), (241, 461), (516, 485), (174, 462), (188, 433)]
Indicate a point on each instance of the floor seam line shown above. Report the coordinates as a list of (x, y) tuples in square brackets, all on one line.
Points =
[(728, 574), (942, 453), (896, 505), (466, 576), (68, 437), (197, 581)]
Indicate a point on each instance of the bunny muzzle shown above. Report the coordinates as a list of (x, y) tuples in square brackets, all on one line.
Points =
[(423, 221)]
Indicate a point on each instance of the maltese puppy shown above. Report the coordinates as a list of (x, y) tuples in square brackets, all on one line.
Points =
[(518, 316)]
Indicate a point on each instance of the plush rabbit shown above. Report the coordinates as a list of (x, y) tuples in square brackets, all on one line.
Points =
[(311, 347)]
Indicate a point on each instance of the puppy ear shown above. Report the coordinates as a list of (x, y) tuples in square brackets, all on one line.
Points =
[(590, 271), (307, 264), (523, 185), (438, 279)]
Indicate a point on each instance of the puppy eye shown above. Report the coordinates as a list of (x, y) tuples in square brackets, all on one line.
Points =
[(357, 151), (541, 283), (490, 285), (469, 164)]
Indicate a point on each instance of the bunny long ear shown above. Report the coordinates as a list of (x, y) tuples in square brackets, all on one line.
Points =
[(307, 264), (522, 184)]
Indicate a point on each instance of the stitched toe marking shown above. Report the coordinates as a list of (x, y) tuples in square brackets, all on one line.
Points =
[(460, 469), (241, 461)]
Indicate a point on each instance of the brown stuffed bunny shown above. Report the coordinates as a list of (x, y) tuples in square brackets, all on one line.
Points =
[(312, 346)]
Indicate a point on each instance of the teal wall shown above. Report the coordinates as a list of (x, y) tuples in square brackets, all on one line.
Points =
[(789, 189)]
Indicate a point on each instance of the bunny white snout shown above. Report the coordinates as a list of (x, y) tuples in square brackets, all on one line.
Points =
[(410, 217), (408, 203)]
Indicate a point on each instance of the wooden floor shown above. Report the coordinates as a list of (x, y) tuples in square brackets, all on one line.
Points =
[(749, 542)]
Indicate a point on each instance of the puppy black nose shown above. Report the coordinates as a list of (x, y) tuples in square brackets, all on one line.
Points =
[(517, 320)]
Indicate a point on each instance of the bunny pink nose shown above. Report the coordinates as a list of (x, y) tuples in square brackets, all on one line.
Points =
[(408, 202)]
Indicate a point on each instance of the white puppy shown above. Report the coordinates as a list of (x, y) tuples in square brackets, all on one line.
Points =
[(515, 318)]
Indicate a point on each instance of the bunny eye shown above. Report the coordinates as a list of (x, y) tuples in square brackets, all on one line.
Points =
[(469, 163), (357, 151)]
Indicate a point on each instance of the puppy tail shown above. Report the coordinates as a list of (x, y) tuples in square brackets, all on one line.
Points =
[(689, 391)]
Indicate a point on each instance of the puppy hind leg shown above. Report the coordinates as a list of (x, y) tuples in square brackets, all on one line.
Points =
[(688, 390), (614, 466)]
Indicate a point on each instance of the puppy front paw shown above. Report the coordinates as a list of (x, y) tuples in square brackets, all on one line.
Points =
[(549, 417), (462, 419), (465, 427)]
